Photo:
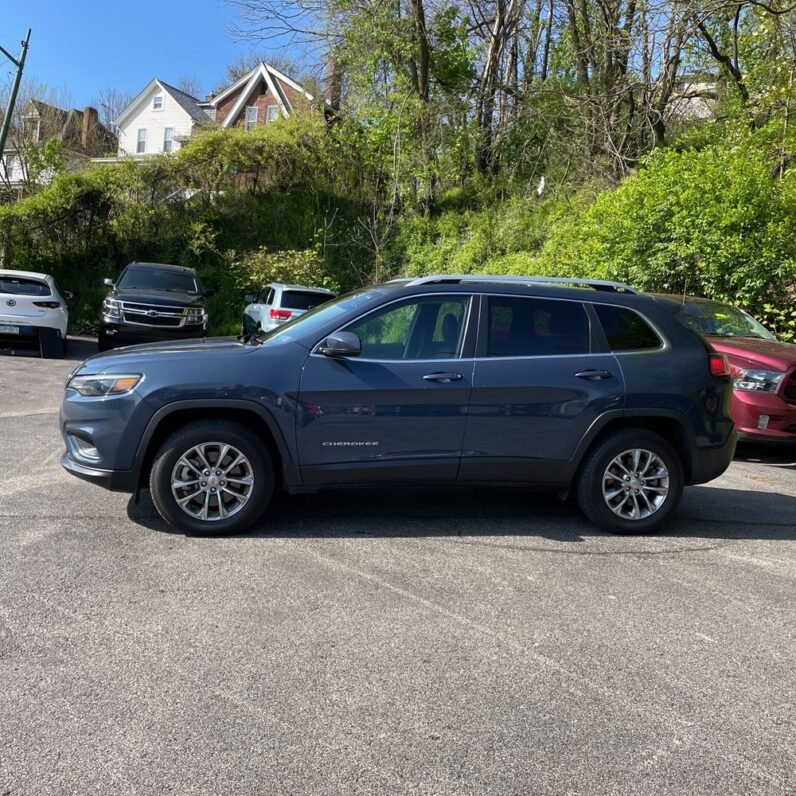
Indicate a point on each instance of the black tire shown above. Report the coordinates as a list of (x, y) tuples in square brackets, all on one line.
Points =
[(208, 432), (589, 489), (51, 344)]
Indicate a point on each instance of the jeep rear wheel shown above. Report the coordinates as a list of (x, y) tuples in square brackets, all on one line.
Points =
[(212, 478), (630, 482)]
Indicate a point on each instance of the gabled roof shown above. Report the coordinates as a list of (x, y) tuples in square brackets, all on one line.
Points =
[(272, 77), (191, 105), (66, 125)]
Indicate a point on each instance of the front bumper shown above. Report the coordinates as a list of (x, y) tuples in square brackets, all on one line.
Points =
[(115, 480), (114, 335), (749, 407)]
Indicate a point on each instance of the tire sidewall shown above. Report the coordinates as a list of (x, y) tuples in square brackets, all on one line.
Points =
[(211, 431), (590, 494)]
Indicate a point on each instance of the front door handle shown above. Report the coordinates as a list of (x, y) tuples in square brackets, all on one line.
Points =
[(594, 375), (443, 377)]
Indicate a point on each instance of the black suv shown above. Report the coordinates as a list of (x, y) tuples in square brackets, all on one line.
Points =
[(150, 302), (440, 380)]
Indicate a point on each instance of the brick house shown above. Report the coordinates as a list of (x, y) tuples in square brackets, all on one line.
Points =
[(261, 96), (162, 118)]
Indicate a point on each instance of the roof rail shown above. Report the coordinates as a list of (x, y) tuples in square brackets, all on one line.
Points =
[(442, 279)]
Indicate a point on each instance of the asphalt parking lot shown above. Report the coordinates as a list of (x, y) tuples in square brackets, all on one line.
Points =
[(479, 642)]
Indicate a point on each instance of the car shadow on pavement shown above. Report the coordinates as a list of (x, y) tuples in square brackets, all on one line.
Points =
[(705, 513), (77, 349), (779, 456)]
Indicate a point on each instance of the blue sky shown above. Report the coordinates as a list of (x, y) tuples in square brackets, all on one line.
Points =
[(83, 46)]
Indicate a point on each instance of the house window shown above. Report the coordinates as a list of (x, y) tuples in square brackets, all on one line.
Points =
[(251, 117), (157, 102), (168, 137), (141, 145), (271, 113), (32, 129)]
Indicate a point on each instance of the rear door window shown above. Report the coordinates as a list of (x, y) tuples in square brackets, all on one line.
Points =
[(23, 286), (526, 327), (303, 299), (625, 329)]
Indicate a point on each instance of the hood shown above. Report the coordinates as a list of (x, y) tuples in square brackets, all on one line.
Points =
[(158, 297), (750, 352), (135, 357)]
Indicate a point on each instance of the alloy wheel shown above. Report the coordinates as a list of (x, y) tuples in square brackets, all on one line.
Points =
[(212, 481), (635, 484)]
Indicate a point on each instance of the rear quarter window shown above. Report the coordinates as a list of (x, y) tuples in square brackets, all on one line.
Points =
[(626, 330)]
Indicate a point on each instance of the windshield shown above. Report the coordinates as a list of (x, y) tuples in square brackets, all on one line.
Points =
[(317, 318), (721, 320), (158, 279)]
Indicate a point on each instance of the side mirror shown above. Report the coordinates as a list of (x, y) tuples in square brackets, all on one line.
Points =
[(249, 299), (68, 295), (341, 344), (107, 282)]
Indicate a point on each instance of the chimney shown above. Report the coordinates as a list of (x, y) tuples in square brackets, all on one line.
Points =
[(334, 80), (88, 135)]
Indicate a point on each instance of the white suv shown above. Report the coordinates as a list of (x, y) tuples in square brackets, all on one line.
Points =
[(277, 303), (33, 312)]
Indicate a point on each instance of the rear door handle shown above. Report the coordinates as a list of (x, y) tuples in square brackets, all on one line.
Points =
[(594, 375), (443, 377)]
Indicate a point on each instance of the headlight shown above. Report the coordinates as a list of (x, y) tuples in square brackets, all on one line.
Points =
[(110, 308), (101, 386), (196, 315), (757, 380)]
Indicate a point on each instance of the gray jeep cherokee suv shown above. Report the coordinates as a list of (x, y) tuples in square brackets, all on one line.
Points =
[(582, 386)]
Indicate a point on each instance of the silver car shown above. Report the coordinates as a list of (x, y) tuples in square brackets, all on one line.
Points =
[(277, 303)]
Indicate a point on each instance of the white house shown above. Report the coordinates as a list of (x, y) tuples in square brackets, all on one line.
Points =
[(159, 120)]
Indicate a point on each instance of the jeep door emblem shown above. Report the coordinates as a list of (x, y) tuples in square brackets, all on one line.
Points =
[(12, 303)]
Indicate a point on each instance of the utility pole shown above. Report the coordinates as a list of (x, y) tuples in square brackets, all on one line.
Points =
[(20, 65)]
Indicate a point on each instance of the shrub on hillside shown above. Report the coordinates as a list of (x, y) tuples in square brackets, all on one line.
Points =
[(716, 222)]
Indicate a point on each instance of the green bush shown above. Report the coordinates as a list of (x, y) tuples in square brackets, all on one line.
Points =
[(715, 223)]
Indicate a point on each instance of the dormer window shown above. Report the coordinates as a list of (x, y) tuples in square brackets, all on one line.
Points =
[(32, 129), (157, 102), (251, 118)]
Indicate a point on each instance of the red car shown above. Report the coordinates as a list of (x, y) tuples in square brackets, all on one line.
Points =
[(763, 369)]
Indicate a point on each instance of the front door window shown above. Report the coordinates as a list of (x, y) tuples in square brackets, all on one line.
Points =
[(421, 329)]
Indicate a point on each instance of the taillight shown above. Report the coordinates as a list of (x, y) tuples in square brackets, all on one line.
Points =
[(281, 315), (719, 365), (50, 305)]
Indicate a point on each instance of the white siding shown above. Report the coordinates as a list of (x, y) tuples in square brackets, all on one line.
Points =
[(155, 123), (12, 169)]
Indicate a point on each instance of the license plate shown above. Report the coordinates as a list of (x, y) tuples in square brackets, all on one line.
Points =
[(5, 329)]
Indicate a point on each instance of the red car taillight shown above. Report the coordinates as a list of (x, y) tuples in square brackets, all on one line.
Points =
[(719, 365), (281, 315), (50, 305)]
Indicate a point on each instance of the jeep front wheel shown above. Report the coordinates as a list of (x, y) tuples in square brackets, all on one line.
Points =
[(212, 478), (630, 482)]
